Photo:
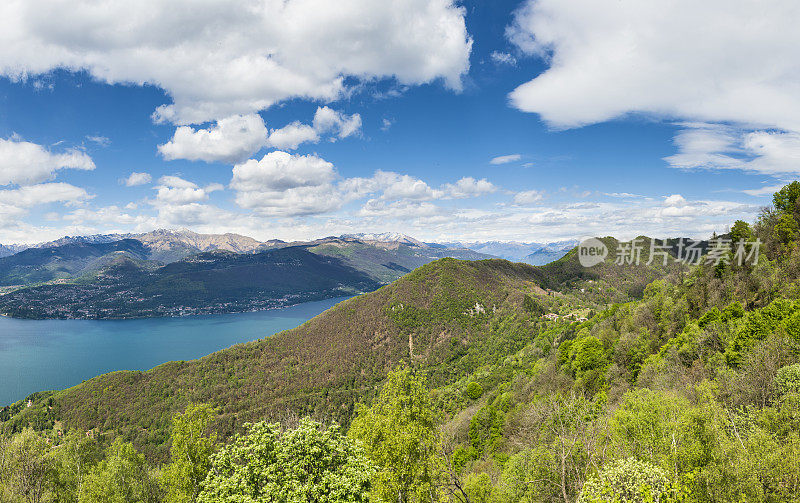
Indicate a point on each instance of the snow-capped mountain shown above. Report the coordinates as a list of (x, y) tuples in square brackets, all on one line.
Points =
[(386, 237)]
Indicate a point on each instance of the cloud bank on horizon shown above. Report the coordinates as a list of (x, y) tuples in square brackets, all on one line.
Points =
[(302, 118)]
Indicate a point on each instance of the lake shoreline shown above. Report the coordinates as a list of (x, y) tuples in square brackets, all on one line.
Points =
[(37, 355)]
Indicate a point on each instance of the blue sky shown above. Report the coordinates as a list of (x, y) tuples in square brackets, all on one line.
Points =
[(529, 121)]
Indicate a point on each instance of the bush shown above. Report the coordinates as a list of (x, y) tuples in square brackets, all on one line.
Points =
[(626, 481), (733, 311), (474, 390), (787, 379), (309, 463)]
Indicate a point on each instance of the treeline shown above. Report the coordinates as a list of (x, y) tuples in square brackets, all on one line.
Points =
[(654, 446)]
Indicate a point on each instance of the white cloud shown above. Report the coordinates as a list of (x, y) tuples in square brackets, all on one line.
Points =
[(43, 193), (503, 58), (230, 140), (281, 170), (621, 195), (329, 120), (101, 141), (292, 136), (398, 209), (528, 197), (326, 121), (714, 146), (222, 59), (468, 187), (764, 191), (285, 184), (108, 215), (713, 61), (23, 163), (505, 159), (386, 124), (173, 190), (136, 178), (675, 200), (396, 186)]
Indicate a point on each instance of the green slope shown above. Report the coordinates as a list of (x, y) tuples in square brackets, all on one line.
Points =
[(449, 316)]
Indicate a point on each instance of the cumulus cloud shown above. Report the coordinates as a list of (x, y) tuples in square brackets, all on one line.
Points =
[(329, 120), (223, 60), (109, 215), (43, 193), (231, 139), (326, 121), (396, 186), (609, 58), (716, 147), (174, 190), (23, 163), (398, 209), (675, 201), (136, 178), (468, 187), (528, 197), (505, 159), (292, 136), (285, 184), (281, 170)]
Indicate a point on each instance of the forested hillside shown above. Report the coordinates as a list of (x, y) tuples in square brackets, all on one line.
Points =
[(682, 384)]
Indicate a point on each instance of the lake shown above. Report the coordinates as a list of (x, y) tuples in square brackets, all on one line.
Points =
[(37, 355)]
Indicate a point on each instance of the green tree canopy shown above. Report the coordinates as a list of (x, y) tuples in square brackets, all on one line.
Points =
[(399, 434), (26, 469), (787, 379), (785, 200), (122, 477), (191, 453), (309, 464), (626, 481), (741, 231)]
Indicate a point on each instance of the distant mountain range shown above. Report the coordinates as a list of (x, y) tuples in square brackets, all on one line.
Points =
[(168, 273), (529, 253), (164, 245), (172, 245)]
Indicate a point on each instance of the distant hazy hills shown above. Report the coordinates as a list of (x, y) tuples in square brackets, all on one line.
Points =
[(530, 253), (164, 245), (167, 273)]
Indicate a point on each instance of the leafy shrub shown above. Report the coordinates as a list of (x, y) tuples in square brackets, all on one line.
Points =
[(479, 487), (588, 354), (485, 427), (474, 390), (626, 481), (306, 464), (532, 306), (787, 379), (792, 326), (732, 311), (710, 316)]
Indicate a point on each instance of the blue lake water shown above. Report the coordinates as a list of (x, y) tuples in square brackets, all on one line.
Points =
[(38, 355)]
